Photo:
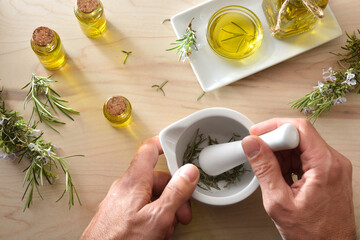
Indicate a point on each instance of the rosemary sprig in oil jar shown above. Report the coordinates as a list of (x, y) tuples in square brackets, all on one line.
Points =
[(19, 140), (186, 44), (337, 83), (46, 100)]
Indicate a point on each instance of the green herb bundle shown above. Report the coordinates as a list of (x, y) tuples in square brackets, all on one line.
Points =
[(186, 44), (45, 99), (207, 182), (336, 84), (19, 140)]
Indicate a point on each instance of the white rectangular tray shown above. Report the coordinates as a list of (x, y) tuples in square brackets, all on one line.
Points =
[(214, 72)]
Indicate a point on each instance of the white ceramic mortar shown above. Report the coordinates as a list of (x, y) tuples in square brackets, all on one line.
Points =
[(219, 123)]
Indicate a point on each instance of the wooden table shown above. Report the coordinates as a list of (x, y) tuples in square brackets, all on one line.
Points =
[(94, 72)]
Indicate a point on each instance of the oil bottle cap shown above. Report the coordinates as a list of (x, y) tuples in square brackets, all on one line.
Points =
[(116, 105), (87, 6), (42, 36)]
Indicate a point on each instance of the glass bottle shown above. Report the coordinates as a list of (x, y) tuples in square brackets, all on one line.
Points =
[(298, 16), (118, 111), (47, 46), (90, 14)]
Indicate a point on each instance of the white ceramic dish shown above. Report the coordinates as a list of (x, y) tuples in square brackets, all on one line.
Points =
[(219, 123), (214, 72)]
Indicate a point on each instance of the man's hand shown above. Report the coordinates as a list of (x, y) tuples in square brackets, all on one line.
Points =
[(317, 206), (144, 204)]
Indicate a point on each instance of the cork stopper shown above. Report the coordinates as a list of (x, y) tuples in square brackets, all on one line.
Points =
[(42, 36), (116, 105), (87, 6)]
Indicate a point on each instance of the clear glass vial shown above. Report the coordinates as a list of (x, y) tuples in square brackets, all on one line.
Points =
[(90, 14), (234, 32), (118, 111), (47, 46), (296, 17)]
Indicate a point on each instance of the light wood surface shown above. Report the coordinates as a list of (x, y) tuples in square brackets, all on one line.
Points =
[(94, 72)]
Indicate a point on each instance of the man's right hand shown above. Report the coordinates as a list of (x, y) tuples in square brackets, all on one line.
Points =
[(317, 206)]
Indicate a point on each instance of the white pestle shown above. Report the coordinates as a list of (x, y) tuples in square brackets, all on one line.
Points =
[(219, 158)]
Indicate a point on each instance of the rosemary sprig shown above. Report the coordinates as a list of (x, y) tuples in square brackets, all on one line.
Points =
[(160, 87), (337, 83), (18, 140), (201, 96), (206, 182), (166, 20), (126, 56), (185, 44), (46, 100), (237, 35)]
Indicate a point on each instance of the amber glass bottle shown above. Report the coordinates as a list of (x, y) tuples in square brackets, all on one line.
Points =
[(90, 14), (296, 17), (47, 45)]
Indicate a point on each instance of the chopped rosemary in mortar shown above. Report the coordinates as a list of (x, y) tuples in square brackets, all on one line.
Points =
[(337, 83), (185, 44), (44, 99), (206, 182), (160, 87), (18, 140), (126, 56)]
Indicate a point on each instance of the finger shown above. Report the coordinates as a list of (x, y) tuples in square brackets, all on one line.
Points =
[(161, 179), (265, 166), (312, 146), (184, 214), (140, 172), (179, 189)]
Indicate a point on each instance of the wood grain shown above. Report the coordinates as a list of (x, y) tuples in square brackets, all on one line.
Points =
[(94, 72)]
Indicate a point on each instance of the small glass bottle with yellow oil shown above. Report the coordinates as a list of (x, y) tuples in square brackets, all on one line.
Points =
[(118, 111), (287, 18), (47, 45), (90, 14), (234, 32)]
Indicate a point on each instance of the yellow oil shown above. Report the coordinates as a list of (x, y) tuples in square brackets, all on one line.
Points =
[(92, 24), (234, 34), (296, 19), (121, 120), (52, 56)]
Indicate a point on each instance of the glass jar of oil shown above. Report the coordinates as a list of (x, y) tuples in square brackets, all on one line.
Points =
[(234, 32), (296, 17), (47, 46), (118, 111), (90, 14)]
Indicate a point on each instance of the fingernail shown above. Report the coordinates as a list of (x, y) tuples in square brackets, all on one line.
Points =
[(250, 146), (189, 172)]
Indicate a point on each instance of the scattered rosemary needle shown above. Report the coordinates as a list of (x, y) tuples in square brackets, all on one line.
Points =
[(336, 84), (44, 99), (201, 96), (185, 44), (160, 87), (126, 56), (166, 20), (206, 182), (18, 140)]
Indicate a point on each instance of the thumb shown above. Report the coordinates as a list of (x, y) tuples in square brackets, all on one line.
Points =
[(264, 164), (180, 188)]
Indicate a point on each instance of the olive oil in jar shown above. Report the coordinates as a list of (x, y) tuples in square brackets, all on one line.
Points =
[(118, 111), (91, 17), (297, 18), (47, 46), (234, 33)]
